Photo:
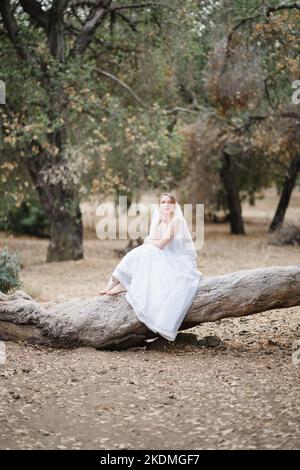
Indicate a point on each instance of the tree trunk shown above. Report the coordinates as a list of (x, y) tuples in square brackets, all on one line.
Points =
[(60, 200), (66, 235), (227, 174), (252, 197), (287, 189), (110, 322), (63, 210)]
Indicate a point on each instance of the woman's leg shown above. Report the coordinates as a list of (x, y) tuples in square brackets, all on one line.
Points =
[(113, 281), (117, 289)]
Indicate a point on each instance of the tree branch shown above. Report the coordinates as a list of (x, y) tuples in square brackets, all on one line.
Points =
[(127, 20), (179, 109), (123, 85), (103, 322), (36, 13), (83, 3), (135, 6), (12, 29), (267, 12), (236, 27), (282, 6), (90, 26)]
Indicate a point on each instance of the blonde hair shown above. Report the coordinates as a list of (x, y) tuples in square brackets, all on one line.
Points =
[(170, 195)]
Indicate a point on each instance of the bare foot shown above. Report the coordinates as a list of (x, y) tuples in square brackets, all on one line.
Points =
[(117, 289), (111, 283), (104, 291)]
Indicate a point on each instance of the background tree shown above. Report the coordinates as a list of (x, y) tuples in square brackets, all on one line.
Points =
[(246, 56), (50, 42)]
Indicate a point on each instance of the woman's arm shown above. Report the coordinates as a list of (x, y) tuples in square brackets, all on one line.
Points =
[(169, 234), (155, 235)]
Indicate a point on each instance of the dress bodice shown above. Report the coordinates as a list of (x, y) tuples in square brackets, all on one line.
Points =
[(176, 250)]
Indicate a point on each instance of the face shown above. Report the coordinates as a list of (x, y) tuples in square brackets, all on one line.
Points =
[(166, 205)]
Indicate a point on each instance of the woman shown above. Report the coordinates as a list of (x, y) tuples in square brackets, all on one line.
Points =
[(160, 277)]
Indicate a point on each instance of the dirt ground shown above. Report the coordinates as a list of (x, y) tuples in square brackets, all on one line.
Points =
[(241, 395)]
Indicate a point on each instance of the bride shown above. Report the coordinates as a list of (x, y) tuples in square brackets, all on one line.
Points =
[(160, 277)]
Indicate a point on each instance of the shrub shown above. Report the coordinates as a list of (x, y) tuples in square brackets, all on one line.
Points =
[(9, 270), (28, 219)]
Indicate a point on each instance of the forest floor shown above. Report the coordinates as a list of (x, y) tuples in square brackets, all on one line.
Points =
[(242, 395)]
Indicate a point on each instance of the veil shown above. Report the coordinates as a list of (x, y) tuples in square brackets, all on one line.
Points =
[(183, 234)]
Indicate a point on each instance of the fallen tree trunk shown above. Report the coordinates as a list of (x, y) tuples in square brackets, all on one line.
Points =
[(106, 322)]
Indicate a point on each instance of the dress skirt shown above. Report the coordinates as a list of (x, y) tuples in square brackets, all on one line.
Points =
[(161, 286)]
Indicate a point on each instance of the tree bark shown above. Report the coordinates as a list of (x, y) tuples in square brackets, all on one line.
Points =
[(62, 207), (227, 174), (106, 322), (287, 189)]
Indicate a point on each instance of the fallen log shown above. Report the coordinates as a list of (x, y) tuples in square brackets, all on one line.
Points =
[(109, 322)]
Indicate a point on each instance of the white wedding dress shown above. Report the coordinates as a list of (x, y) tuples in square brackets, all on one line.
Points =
[(161, 284)]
